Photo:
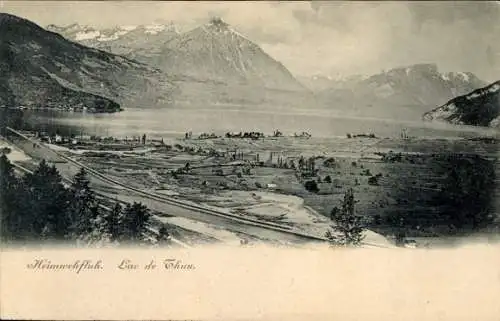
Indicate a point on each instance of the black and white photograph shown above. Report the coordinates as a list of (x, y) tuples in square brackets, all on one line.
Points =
[(157, 124)]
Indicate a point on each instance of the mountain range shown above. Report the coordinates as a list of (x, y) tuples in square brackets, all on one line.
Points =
[(120, 40), (212, 52), (481, 107), (212, 63), (319, 83), (403, 92), (42, 69)]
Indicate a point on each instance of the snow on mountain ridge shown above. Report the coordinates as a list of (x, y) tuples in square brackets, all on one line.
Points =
[(157, 28), (128, 28), (87, 35), (79, 33)]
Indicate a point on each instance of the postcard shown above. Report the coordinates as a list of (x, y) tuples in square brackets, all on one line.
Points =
[(253, 160)]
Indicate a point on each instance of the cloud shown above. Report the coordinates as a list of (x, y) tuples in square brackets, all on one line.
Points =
[(325, 37), (484, 14)]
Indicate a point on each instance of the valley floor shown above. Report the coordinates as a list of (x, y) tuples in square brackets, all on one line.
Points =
[(265, 179)]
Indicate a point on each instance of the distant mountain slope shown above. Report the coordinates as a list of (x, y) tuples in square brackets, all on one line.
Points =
[(481, 107), (119, 40), (406, 92), (319, 83), (26, 85), (42, 67)]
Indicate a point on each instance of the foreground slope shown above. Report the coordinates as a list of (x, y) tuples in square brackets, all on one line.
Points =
[(480, 107)]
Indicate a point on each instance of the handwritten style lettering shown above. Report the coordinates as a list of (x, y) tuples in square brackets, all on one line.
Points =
[(174, 264), (77, 266)]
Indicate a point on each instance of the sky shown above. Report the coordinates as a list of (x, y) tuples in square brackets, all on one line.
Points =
[(328, 38)]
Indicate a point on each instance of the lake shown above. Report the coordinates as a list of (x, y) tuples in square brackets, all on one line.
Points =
[(168, 122)]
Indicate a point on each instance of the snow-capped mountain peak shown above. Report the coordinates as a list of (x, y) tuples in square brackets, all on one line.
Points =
[(217, 24), (128, 28), (121, 40), (93, 36), (87, 35), (155, 28)]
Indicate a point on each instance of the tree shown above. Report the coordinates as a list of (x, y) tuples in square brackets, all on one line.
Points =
[(11, 226), (163, 236), (81, 205), (301, 162), (348, 227), (47, 199), (98, 233), (135, 219), (113, 222)]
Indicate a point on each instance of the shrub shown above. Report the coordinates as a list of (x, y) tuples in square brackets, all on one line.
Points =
[(311, 186), (366, 172), (373, 180), (329, 162), (5, 150)]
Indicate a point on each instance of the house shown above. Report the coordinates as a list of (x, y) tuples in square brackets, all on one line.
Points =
[(271, 186)]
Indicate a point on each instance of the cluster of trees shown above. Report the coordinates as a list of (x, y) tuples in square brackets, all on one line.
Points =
[(39, 207), (253, 135), (371, 135), (205, 136), (284, 164)]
